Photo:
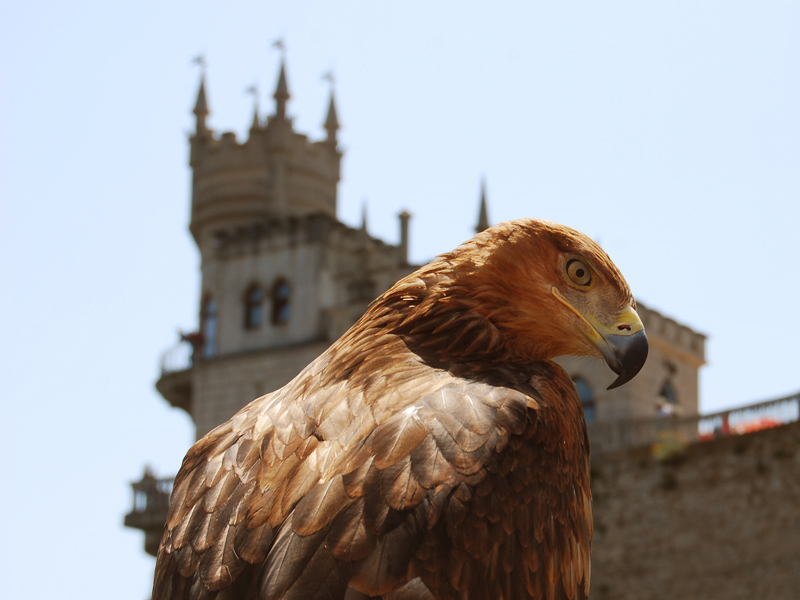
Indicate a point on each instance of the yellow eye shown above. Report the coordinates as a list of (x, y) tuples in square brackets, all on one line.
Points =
[(578, 272)]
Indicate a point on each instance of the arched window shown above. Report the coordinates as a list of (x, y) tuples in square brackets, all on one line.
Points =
[(208, 327), (281, 301), (587, 399), (253, 310)]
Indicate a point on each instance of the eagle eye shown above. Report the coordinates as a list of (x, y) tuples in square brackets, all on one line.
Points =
[(578, 272)]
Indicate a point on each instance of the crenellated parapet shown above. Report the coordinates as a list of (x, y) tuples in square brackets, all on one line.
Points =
[(276, 173), (668, 333)]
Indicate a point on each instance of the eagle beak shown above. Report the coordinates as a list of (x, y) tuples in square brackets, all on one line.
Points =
[(623, 346)]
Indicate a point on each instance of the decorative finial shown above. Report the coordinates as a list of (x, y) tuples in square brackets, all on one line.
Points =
[(332, 120), (280, 45), (253, 89), (201, 105), (483, 214), (281, 94), (200, 60)]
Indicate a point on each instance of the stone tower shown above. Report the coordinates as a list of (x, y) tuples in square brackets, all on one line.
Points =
[(282, 278), (274, 175)]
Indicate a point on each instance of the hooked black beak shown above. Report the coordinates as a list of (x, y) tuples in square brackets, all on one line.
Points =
[(623, 345), (625, 355)]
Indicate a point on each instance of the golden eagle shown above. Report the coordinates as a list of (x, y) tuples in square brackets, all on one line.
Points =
[(434, 451)]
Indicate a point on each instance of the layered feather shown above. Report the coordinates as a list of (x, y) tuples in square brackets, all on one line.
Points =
[(429, 453)]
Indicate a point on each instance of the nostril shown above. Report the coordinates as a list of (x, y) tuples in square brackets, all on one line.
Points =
[(623, 327)]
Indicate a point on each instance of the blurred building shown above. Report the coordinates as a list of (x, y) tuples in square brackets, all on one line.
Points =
[(282, 278)]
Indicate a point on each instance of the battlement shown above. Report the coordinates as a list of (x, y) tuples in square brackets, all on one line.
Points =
[(664, 330), (276, 173)]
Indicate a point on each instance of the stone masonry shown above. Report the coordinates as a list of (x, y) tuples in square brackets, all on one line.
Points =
[(721, 522)]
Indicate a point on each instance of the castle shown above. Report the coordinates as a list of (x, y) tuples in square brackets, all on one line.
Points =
[(282, 278)]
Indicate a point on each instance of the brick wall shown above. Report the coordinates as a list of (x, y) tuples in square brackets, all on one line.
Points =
[(723, 522)]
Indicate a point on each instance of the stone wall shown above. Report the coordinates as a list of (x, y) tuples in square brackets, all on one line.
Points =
[(721, 522)]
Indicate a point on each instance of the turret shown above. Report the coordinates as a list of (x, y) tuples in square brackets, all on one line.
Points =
[(274, 175)]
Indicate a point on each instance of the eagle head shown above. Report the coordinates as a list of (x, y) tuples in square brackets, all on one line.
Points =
[(553, 291)]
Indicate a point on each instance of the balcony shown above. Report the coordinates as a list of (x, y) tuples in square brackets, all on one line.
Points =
[(175, 383), (150, 506), (620, 435)]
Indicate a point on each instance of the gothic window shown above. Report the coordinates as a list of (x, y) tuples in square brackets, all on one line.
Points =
[(281, 301), (253, 309), (587, 398), (208, 326)]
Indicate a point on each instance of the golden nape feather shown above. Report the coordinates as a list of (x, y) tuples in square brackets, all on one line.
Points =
[(434, 451)]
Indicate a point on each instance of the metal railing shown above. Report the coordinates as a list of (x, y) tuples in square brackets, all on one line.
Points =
[(619, 435), (151, 495), (753, 417), (177, 358), (150, 509)]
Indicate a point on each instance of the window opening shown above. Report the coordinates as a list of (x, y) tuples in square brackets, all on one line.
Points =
[(253, 309), (281, 302), (587, 399), (208, 328)]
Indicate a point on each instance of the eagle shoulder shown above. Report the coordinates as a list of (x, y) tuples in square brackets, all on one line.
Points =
[(335, 470)]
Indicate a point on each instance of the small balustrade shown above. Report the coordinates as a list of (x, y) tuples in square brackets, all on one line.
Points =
[(150, 507), (177, 358), (618, 435)]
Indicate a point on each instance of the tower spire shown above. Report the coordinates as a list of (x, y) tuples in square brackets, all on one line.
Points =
[(201, 107), (281, 93), (256, 123), (253, 89), (483, 213), (332, 121)]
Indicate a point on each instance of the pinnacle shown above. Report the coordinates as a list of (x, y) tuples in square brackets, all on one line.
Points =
[(483, 214), (281, 93), (332, 120), (282, 90), (201, 106)]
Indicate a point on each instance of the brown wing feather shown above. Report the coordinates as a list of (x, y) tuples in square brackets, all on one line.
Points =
[(440, 439)]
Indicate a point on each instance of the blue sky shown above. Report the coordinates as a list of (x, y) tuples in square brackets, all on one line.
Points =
[(667, 130)]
